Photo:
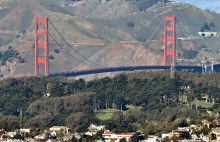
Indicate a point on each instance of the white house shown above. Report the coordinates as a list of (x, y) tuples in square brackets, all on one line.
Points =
[(11, 134), (216, 131), (152, 138), (110, 136), (60, 128), (207, 34), (25, 130), (40, 137), (93, 129)]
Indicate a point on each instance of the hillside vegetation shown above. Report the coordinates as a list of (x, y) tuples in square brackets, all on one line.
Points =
[(146, 100)]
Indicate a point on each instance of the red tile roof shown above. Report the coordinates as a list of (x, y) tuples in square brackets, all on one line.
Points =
[(109, 133)]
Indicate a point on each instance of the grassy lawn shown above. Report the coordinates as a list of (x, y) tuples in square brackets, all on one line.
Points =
[(105, 114), (203, 104), (133, 107)]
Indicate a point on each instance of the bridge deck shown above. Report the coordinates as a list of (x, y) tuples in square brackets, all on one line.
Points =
[(198, 69)]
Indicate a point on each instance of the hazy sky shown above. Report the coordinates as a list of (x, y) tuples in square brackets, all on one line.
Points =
[(205, 4)]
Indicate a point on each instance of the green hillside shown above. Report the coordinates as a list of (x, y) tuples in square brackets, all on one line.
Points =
[(145, 98)]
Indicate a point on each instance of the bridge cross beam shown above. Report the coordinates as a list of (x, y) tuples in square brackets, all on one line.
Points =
[(42, 41), (170, 39)]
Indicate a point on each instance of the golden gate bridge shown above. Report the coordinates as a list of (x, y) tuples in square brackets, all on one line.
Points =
[(43, 36)]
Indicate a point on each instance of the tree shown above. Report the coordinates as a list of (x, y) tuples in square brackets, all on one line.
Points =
[(117, 117), (130, 24), (124, 127), (206, 26), (166, 139), (19, 136), (123, 140), (134, 138), (175, 139), (51, 57), (205, 130), (202, 29), (213, 136), (98, 135), (185, 135), (212, 25)]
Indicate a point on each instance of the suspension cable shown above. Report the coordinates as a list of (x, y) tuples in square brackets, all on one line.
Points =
[(17, 51), (148, 40), (73, 48), (188, 43), (18, 63), (183, 51), (67, 51)]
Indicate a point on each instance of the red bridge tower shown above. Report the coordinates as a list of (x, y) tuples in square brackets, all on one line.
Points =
[(170, 39), (41, 41)]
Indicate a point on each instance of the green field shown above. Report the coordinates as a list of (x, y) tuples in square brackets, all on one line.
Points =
[(202, 104), (131, 107), (105, 114)]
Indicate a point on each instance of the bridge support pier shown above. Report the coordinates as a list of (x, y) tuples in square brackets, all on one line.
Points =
[(41, 42), (170, 39)]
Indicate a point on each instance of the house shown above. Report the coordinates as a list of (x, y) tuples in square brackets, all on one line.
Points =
[(52, 140), (206, 138), (216, 131), (207, 34), (68, 137), (165, 135), (25, 130), (152, 138), (60, 128), (174, 133), (183, 129), (51, 134), (11, 134), (41, 136), (112, 136), (93, 129)]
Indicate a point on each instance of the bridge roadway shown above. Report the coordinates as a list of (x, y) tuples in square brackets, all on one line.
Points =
[(198, 69)]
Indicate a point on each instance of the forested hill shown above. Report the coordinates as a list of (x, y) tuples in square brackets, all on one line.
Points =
[(75, 103)]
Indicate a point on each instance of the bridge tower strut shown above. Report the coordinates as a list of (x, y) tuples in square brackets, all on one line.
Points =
[(170, 39), (41, 42)]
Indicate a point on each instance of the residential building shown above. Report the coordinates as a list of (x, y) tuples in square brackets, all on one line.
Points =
[(207, 34), (60, 128), (216, 131), (25, 130), (52, 140), (93, 129), (11, 134), (152, 138), (40, 137), (113, 137)]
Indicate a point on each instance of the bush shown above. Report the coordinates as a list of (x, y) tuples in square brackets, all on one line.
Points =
[(130, 24), (51, 57), (56, 51)]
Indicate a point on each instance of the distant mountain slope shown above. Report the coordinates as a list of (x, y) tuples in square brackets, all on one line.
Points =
[(113, 21), (213, 5)]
